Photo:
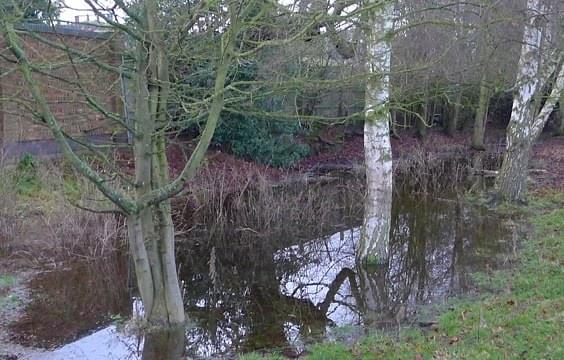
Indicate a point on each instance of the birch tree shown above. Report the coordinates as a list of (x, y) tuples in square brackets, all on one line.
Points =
[(539, 62), (375, 234)]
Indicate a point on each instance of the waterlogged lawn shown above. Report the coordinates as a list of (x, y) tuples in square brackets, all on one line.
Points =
[(523, 318)]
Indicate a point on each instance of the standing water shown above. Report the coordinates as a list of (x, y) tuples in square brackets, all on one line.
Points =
[(245, 290)]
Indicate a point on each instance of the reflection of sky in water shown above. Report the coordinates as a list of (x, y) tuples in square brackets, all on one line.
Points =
[(106, 344), (322, 261), (433, 248)]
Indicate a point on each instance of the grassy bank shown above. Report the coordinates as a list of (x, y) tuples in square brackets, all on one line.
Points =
[(39, 224), (6, 283), (523, 317)]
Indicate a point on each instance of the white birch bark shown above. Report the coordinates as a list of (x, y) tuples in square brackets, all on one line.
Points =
[(536, 64), (374, 239)]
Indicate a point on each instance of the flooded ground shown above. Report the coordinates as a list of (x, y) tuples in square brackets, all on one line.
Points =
[(248, 291)]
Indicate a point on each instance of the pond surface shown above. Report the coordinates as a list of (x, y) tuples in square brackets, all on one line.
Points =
[(251, 292)]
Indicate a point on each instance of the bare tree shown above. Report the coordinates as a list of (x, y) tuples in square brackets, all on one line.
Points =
[(213, 33)]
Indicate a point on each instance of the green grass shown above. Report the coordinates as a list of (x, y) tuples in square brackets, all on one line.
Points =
[(6, 298), (523, 318), (6, 281)]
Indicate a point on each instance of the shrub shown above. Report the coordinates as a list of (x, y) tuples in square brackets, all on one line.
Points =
[(270, 142), (267, 141), (27, 181)]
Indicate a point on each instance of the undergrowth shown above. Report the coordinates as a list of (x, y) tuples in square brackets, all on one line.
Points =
[(38, 220), (522, 318)]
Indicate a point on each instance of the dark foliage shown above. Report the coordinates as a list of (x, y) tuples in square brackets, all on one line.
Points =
[(265, 141)]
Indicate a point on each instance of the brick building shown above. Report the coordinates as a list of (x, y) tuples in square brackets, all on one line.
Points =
[(63, 84)]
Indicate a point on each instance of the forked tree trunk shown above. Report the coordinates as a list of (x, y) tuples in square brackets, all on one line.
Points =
[(481, 116), (151, 231), (375, 234), (147, 206), (522, 132), (525, 126)]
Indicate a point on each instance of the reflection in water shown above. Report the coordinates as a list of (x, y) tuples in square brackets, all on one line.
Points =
[(244, 294), (106, 344), (70, 301), (164, 345)]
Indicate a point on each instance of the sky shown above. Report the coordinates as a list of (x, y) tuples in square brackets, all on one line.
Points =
[(72, 8), (69, 14)]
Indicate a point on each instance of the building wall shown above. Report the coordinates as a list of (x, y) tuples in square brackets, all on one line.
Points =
[(66, 99)]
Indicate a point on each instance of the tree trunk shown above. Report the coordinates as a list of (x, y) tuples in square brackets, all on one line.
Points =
[(525, 126), (151, 232), (375, 234), (394, 119), (165, 231), (476, 176), (559, 130), (481, 116), (523, 130), (422, 120), (512, 179), (452, 124)]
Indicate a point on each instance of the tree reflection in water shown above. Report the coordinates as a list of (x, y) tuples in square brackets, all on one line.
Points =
[(272, 293), (247, 293)]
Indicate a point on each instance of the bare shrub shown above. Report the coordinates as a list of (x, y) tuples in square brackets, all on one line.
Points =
[(257, 206), (243, 204), (41, 225), (70, 233), (426, 172), (9, 218)]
